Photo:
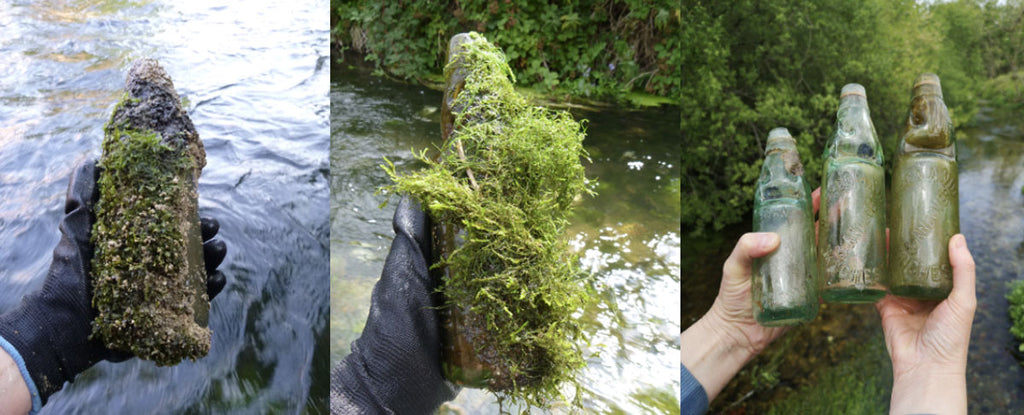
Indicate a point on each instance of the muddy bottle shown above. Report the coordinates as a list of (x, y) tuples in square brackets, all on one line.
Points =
[(785, 281), (925, 211), (851, 220)]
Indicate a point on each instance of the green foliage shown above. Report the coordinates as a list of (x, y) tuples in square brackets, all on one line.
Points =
[(507, 176), (1016, 310), (753, 65), (586, 48), (1006, 90), (859, 384)]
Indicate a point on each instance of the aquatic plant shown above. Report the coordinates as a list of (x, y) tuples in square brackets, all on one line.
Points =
[(503, 184), (1015, 296)]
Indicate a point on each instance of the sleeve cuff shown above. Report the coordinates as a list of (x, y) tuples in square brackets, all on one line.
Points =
[(37, 402), (693, 400)]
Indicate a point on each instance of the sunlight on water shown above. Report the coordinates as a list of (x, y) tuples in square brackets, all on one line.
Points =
[(254, 78)]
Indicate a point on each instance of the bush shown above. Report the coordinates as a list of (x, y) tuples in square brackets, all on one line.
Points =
[(750, 66), (589, 48), (1016, 298)]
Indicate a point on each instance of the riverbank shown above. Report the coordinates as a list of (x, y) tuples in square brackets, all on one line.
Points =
[(594, 53)]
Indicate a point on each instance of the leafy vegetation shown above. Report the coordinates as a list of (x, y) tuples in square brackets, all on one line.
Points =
[(750, 66), (507, 176), (1016, 298), (587, 48), (859, 384)]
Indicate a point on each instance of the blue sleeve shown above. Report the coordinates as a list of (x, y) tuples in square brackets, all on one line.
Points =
[(692, 398), (37, 402)]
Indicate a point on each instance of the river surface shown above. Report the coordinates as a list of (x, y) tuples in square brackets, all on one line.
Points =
[(254, 76), (628, 235), (991, 162)]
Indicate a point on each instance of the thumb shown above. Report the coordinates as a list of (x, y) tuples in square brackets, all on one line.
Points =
[(963, 294), (750, 246)]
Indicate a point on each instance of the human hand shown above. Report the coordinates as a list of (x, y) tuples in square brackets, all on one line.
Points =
[(928, 341), (395, 365), (717, 346), (51, 329)]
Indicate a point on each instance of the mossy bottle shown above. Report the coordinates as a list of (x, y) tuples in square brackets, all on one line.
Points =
[(851, 221), (925, 210), (784, 281)]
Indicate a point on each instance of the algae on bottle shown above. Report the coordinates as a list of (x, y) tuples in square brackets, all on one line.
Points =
[(784, 282), (851, 224), (498, 195), (925, 198), (149, 277)]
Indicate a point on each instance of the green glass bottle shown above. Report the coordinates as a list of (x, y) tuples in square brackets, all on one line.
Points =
[(851, 221), (925, 211), (785, 281)]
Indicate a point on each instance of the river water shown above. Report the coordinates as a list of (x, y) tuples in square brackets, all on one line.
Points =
[(254, 76), (628, 235), (991, 162)]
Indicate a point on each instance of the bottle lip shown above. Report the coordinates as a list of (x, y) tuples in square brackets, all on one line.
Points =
[(927, 84), (852, 89), (779, 138), (780, 133), (926, 79)]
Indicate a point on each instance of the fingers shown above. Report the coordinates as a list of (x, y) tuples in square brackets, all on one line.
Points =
[(209, 228), (750, 246), (214, 252), (215, 282), (82, 187), (409, 218), (960, 258)]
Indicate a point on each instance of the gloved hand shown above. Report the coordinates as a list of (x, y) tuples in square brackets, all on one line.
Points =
[(51, 328), (395, 365)]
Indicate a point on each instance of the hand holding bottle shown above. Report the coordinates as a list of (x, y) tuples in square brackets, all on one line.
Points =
[(928, 340), (717, 346)]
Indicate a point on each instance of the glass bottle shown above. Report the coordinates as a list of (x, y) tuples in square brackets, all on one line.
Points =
[(851, 221), (925, 211), (784, 281)]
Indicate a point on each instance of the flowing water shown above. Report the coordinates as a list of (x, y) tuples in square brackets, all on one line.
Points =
[(628, 235), (254, 79), (991, 162)]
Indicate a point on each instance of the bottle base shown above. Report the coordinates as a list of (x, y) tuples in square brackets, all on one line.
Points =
[(852, 295), (921, 293), (786, 316)]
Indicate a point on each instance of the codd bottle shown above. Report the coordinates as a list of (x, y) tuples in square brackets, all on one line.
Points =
[(784, 281), (925, 210), (851, 221)]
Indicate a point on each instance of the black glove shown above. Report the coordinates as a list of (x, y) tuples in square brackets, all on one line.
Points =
[(51, 328), (395, 365)]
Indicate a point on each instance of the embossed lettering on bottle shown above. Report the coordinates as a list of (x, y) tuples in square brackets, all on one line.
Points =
[(925, 198), (851, 224), (784, 283)]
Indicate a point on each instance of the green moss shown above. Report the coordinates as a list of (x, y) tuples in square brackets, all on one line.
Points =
[(507, 176), (859, 384), (140, 249), (1016, 298)]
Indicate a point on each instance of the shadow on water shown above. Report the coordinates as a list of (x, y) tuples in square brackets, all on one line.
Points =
[(991, 161), (628, 235), (254, 78)]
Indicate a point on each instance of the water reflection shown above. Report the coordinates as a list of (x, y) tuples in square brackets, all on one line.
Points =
[(254, 79), (627, 236)]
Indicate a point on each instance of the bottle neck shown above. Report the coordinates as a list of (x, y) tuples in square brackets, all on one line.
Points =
[(855, 134)]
